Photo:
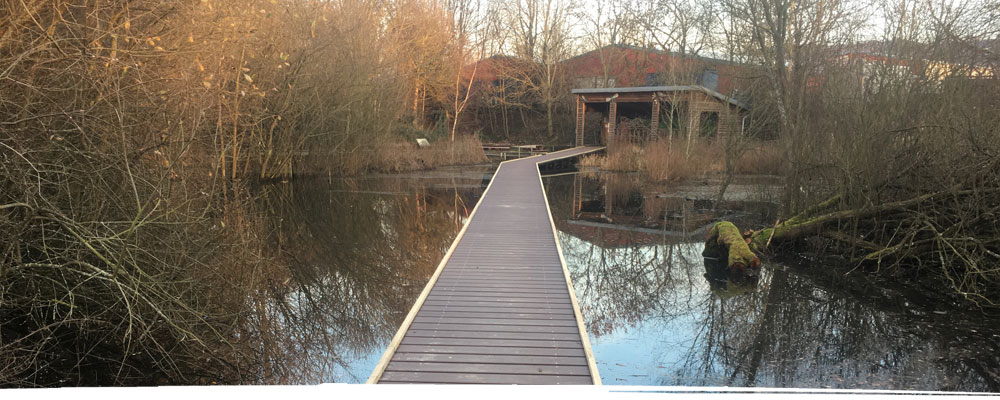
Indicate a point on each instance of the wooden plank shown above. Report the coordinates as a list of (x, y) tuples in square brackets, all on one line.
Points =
[(521, 274), (527, 243), (508, 277), (480, 284), (548, 306), (498, 303), (503, 299), (508, 351), (521, 251), (634, 98), (494, 321), (495, 314), (508, 261), (525, 288), (520, 294), (448, 341), (514, 265), (491, 359), (498, 379), (535, 296), (515, 251), (505, 260), (524, 278), (490, 335), (499, 279), (537, 275), (476, 368), (501, 287), (514, 283), (538, 271), (516, 310), (513, 276)]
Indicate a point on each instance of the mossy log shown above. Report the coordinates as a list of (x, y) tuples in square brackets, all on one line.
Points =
[(726, 237), (811, 221), (952, 230), (741, 247)]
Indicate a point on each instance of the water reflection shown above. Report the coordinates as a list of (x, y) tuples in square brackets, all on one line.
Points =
[(658, 315), (725, 281), (350, 257)]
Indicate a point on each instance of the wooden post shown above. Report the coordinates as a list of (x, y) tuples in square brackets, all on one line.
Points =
[(608, 203), (694, 118), (581, 112), (612, 119), (654, 128), (577, 194)]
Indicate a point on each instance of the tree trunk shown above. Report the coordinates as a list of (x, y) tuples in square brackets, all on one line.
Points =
[(815, 218), (726, 180), (548, 115), (725, 237)]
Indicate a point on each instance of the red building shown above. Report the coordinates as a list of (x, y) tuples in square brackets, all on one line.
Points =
[(506, 105), (628, 66)]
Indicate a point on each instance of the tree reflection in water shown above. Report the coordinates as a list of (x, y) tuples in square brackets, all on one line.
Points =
[(654, 318), (348, 258)]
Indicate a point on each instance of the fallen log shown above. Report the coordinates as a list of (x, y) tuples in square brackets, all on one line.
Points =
[(952, 233), (813, 221), (808, 222), (725, 238)]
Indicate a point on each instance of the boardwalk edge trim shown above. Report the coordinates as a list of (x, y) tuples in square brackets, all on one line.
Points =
[(405, 326), (584, 338)]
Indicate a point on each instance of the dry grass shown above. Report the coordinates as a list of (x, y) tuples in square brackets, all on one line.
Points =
[(763, 159), (622, 156), (592, 160), (669, 160), (405, 156)]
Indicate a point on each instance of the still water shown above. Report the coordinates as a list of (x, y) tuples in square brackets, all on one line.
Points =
[(360, 251), (635, 256)]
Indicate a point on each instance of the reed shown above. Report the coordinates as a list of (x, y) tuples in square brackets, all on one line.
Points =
[(671, 160), (398, 156), (622, 156), (762, 159)]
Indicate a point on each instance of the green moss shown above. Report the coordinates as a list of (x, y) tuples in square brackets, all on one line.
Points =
[(759, 239), (724, 233), (803, 217)]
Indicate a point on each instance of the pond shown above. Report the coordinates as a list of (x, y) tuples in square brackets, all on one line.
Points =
[(360, 251), (657, 316)]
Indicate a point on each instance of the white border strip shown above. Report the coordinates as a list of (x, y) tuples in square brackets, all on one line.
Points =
[(591, 363), (398, 338)]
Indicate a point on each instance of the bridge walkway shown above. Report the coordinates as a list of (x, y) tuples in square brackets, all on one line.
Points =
[(500, 309)]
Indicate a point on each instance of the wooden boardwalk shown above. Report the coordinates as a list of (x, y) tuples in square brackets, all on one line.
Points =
[(500, 309)]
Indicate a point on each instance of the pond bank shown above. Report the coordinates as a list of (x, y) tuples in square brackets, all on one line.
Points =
[(655, 318)]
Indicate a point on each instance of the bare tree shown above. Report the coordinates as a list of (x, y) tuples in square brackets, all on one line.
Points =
[(792, 41), (463, 14), (541, 40), (604, 29)]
